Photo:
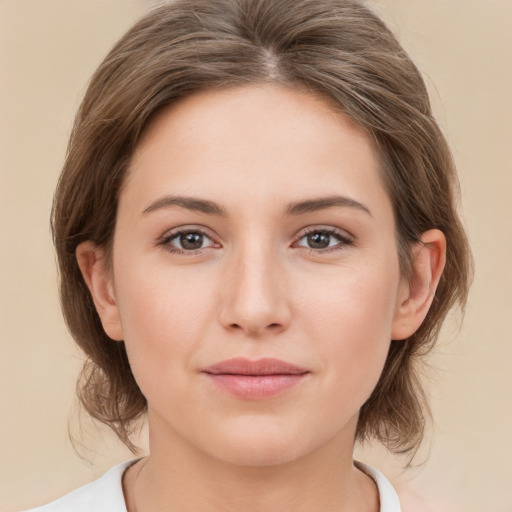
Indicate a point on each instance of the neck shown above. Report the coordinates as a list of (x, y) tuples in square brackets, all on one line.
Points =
[(179, 477)]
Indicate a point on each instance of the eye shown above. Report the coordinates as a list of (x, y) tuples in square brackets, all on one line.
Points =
[(187, 241), (325, 239)]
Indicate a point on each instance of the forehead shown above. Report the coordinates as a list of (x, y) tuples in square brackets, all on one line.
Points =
[(282, 113), (255, 141)]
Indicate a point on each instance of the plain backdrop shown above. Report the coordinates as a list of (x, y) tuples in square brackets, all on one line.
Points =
[(49, 49)]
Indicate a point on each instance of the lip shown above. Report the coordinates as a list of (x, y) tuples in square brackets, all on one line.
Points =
[(263, 378)]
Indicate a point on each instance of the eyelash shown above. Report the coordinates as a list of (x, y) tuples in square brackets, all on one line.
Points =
[(343, 238)]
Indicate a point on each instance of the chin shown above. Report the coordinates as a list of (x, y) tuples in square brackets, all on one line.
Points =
[(259, 454), (261, 446)]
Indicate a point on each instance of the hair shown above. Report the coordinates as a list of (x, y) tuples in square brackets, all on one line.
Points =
[(336, 48)]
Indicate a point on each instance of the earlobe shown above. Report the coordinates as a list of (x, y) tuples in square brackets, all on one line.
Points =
[(93, 265), (416, 294)]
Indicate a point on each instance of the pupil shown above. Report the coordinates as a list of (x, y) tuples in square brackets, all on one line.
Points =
[(319, 240), (191, 240)]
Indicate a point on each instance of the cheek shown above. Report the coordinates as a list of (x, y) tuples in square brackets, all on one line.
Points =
[(350, 319), (163, 316)]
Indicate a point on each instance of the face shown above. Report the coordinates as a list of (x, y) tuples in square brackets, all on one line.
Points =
[(255, 274)]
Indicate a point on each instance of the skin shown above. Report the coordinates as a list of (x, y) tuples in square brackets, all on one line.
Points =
[(256, 288)]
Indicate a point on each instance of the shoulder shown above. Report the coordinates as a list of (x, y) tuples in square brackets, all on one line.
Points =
[(105, 494), (388, 497)]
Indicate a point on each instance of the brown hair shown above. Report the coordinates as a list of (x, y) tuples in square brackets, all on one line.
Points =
[(337, 48)]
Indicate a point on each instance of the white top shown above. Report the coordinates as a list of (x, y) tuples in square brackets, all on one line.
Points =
[(106, 493)]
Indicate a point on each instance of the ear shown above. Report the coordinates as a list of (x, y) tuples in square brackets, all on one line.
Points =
[(416, 295), (93, 265)]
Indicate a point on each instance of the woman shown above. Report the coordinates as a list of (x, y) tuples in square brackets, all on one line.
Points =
[(255, 212)]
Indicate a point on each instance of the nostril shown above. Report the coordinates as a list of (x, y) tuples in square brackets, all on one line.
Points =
[(255, 330)]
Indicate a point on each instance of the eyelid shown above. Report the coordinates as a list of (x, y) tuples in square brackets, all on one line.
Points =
[(324, 227)]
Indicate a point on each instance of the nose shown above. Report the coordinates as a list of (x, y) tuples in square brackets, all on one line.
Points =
[(254, 298)]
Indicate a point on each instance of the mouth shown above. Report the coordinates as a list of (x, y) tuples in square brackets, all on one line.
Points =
[(263, 378)]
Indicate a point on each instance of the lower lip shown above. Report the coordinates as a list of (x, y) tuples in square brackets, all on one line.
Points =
[(256, 387)]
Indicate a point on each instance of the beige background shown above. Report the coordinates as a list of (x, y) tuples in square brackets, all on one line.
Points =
[(48, 50)]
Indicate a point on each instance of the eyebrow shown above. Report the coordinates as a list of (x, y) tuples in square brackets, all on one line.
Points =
[(322, 203), (296, 208), (190, 203)]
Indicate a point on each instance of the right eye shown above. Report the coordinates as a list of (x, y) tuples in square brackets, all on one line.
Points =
[(187, 241)]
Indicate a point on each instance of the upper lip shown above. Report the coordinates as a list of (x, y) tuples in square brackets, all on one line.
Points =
[(263, 366)]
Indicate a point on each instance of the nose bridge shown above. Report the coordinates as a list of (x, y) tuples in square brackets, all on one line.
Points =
[(254, 298)]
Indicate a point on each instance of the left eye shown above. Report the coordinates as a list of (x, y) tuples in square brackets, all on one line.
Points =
[(322, 239)]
